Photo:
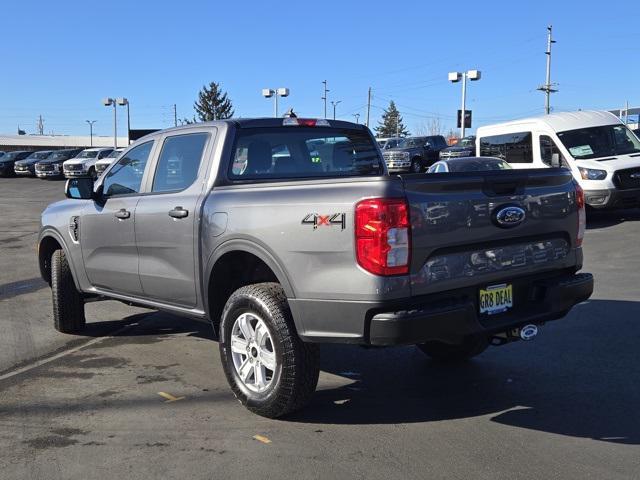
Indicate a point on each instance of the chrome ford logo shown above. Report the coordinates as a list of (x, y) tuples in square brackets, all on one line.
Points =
[(510, 216), (635, 175), (528, 332)]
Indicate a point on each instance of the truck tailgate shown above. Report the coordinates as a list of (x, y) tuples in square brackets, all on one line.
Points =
[(458, 240)]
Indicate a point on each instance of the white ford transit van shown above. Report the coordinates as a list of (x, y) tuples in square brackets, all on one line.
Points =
[(602, 153)]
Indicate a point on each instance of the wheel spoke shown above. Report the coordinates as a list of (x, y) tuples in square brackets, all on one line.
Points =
[(245, 370), (245, 326), (260, 332), (260, 376), (239, 345), (268, 359)]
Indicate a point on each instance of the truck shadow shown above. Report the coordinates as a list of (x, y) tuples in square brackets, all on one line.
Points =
[(578, 379), (604, 219)]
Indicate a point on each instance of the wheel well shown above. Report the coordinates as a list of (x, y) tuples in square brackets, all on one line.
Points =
[(47, 246), (230, 272)]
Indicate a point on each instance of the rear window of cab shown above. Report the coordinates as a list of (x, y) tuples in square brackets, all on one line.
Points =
[(303, 152)]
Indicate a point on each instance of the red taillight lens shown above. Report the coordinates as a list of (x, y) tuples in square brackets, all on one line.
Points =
[(383, 240), (582, 214)]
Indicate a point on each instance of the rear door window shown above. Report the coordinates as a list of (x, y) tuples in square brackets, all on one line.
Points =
[(179, 162), (303, 152)]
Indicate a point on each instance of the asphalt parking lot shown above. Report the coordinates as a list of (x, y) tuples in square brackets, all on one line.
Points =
[(142, 394)]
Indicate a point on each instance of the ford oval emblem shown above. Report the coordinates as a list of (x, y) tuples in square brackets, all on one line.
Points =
[(510, 216), (528, 332)]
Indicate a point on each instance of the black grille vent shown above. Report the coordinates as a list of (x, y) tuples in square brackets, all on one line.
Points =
[(74, 228), (628, 178)]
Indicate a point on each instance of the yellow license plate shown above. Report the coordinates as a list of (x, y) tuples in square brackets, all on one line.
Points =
[(496, 298)]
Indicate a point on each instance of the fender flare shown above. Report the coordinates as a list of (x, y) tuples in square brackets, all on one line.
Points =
[(51, 232), (254, 248)]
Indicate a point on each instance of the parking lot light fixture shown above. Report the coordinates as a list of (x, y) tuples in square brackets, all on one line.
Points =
[(122, 102), (278, 92), (335, 104), (455, 77), (91, 122), (108, 102)]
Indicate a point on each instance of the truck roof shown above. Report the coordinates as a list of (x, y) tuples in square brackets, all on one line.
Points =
[(560, 121)]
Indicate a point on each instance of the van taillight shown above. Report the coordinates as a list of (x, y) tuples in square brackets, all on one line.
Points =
[(582, 214), (383, 239)]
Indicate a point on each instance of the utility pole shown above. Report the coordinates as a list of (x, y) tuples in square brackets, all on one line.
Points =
[(368, 106), (175, 115), (547, 88), (324, 97), (398, 125), (40, 125), (335, 104)]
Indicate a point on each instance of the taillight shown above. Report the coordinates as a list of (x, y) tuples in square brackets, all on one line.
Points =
[(582, 214), (383, 240)]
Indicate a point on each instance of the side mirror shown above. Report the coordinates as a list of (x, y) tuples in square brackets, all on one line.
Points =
[(79, 188), (555, 160), (427, 145)]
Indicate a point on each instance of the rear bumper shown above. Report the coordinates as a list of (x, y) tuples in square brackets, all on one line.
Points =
[(613, 198), (540, 300)]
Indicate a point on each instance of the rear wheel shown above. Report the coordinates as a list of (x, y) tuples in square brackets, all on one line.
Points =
[(68, 305), (270, 370), (444, 352)]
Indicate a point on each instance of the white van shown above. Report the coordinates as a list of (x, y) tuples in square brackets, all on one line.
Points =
[(602, 153)]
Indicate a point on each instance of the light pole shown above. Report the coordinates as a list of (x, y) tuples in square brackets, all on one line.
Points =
[(91, 122), (357, 115), (122, 102), (278, 92), (454, 77), (107, 102), (335, 104)]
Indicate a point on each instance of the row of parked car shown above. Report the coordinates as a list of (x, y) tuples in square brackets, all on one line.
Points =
[(602, 153), (72, 162)]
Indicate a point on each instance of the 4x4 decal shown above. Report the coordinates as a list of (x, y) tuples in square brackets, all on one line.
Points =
[(325, 220)]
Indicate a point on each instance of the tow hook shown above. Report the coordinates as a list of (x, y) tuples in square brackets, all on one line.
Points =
[(526, 333)]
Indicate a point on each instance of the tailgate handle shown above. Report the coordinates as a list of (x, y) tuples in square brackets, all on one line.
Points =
[(513, 186)]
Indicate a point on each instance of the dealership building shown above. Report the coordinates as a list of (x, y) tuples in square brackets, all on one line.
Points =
[(10, 143)]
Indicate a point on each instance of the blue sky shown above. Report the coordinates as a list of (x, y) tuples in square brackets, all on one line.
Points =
[(60, 58)]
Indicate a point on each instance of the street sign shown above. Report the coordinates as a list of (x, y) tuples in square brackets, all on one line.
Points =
[(467, 118)]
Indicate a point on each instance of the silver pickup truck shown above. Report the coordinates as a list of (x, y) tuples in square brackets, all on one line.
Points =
[(286, 233)]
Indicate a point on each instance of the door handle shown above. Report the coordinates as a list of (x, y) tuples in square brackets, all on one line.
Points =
[(122, 214), (178, 212)]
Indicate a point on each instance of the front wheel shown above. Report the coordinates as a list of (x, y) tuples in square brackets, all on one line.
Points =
[(444, 352), (270, 370), (68, 305)]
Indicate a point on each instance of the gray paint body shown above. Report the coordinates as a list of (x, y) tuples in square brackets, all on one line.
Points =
[(154, 260)]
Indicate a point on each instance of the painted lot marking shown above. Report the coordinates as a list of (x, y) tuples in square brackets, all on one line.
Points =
[(169, 398)]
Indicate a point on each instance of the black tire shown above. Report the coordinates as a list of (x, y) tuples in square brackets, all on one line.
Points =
[(416, 165), (295, 377), (68, 305), (448, 353)]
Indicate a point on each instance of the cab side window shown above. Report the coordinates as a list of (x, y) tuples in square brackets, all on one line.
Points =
[(547, 148), (126, 175), (179, 162), (512, 147)]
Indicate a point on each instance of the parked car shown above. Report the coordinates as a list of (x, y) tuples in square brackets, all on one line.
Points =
[(466, 147), (601, 152), (469, 164), (28, 165), (414, 154), (51, 166), (316, 246), (392, 143), (2, 153), (8, 160), (83, 164), (102, 164)]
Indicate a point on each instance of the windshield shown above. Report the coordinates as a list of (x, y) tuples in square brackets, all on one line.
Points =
[(467, 142), (87, 154), (58, 156), (39, 155), (114, 154), (304, 152), (412, 142), (598, 142), (478, 165)]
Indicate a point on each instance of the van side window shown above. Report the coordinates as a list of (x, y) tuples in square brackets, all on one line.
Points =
[(512, 147), (547, 148)]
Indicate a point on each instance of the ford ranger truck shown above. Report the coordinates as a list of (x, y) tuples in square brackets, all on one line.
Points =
[(287, 233)]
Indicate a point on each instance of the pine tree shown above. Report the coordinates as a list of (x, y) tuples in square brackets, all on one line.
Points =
[(213, 103), (391, 123)]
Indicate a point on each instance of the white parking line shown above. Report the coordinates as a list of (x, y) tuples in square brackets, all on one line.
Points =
[(50, 359)]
